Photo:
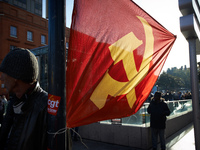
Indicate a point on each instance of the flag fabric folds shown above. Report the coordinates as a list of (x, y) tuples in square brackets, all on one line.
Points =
[(116, 53)]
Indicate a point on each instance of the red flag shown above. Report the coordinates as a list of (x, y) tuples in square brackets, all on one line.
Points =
[(116, 53)]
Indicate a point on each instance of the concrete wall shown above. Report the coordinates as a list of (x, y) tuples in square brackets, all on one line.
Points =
[(177, 123), (138, 137)]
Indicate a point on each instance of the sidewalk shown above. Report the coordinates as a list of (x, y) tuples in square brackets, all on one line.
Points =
[(185, 143), (94, 145), (184, 140)]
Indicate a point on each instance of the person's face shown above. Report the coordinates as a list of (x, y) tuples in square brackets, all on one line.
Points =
[(8, 82)]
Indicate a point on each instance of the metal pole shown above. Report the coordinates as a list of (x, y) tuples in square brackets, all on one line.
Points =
[(57, 73), (195, 90)]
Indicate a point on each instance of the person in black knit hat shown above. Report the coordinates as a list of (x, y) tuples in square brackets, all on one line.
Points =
[(25, 125)]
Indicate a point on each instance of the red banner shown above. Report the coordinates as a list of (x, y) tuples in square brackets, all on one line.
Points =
[(116, 53)]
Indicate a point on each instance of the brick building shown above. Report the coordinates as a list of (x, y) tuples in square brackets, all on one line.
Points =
[(20, 28), (33, 6)]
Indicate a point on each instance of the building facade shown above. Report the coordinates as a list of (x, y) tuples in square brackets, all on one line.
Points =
[(33, 6), (20, 28)]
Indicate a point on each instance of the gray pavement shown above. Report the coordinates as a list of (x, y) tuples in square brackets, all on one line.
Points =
[(94, 145), (185, 143), (184, 140)]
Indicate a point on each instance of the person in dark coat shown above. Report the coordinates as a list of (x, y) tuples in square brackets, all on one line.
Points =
[(158, 110), (2, 108), (25, 124)]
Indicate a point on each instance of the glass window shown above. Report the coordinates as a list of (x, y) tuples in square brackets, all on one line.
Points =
[(43, 39), (29, 36), (67, 45), (13, 31), (22, 1), (12, 47)]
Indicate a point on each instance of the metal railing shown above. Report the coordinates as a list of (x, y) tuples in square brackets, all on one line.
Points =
[(142, 118)]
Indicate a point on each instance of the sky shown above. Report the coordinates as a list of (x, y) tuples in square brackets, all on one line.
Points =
[(167, 13)]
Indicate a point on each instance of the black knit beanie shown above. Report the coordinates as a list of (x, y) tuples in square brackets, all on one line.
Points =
[(20, 64)]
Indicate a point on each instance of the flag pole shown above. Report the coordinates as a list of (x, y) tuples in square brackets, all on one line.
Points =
[(57, 73)]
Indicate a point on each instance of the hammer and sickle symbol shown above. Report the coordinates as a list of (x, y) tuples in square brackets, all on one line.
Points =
[(123, 50)]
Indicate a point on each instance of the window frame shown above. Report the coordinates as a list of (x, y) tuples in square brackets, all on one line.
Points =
[(13, 31), (43, 40), (29, 36), (12, 47)]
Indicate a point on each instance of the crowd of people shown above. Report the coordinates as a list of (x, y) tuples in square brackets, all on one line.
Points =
[(170, 95), (177, 95)]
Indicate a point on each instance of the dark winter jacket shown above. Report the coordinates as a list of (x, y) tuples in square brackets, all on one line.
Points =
[(158, 111), (26, 128)]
